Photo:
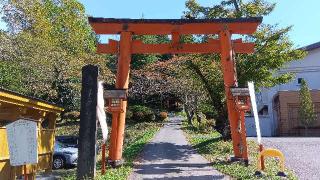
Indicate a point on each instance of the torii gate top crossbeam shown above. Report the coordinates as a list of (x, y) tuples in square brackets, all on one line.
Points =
[(181, 26), (176, 28)]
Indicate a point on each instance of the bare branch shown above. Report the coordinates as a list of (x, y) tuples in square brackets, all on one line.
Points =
[(236, 5)]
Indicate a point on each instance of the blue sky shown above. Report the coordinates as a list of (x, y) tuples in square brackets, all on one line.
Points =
[(303, 15)]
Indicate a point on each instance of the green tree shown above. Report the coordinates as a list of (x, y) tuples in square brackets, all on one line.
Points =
[(273, 49), (11, 76), (11, 72), (307, 115), (50, 41), (141, 60)]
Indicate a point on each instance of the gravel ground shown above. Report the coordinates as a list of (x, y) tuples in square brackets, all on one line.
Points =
[(302, 154), (169, 156)]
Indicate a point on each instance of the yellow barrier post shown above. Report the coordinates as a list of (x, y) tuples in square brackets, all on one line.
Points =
[(271, 153)]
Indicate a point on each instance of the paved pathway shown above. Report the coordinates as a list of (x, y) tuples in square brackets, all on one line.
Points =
[(302, 154), (168, 156)]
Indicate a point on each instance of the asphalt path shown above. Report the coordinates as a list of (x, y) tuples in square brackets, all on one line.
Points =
[(302, 155), (169, 156)]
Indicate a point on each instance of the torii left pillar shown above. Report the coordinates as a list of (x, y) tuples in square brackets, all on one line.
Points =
[(122, 82)]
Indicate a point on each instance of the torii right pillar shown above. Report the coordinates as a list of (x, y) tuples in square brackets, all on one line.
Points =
[(236, 118)]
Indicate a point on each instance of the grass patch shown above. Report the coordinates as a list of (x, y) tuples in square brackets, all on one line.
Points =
[(136, 136), (212, 147), (67, 128)]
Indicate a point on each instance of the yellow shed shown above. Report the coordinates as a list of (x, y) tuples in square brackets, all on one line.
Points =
[(14, 106)]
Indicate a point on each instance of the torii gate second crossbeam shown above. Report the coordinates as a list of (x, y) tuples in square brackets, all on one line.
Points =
[(224, 45)]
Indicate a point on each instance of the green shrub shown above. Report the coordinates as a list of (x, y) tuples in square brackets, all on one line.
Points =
[(142, 113), (73, 115), (139, 108), (129, 114), (208, 111), (181, 113), (205, 125), (211, 122)]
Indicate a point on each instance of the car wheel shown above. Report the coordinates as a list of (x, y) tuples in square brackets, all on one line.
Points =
[(58, 162)]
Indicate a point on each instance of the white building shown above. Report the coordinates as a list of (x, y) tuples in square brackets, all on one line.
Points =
[(270, 120)]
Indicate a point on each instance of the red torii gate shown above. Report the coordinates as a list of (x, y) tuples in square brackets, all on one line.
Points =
[(176, 27)]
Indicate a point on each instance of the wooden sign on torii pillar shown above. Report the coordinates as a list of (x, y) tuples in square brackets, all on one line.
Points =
[(176, 27)]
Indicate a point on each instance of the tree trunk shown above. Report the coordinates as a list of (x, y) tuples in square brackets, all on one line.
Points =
[(236, 5), (190, 115), (198, 118), (217, 104)]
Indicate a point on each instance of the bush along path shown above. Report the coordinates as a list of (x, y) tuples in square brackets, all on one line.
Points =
[(169, 156), (218, 152)]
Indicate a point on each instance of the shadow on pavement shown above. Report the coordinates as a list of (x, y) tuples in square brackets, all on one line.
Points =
[(204, 177), (168, 151), (170, 168)]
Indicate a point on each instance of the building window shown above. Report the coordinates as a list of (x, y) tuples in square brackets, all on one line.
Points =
[(299, 80)]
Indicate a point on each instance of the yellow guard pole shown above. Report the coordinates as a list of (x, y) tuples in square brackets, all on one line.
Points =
[(122, 81), (271, 153)]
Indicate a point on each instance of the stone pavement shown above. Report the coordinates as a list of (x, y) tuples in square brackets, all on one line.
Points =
[(169, 156)]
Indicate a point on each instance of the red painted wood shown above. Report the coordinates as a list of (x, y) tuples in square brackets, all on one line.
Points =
[(139, 47)]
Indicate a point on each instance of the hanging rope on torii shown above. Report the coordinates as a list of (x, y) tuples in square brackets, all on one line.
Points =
[(237, 102)]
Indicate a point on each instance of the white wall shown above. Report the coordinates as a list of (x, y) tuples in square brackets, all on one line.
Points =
[(308, 69), (265, 126)]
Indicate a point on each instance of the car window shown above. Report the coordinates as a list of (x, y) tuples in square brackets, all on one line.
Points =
[(68, 140), (59, 145)]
